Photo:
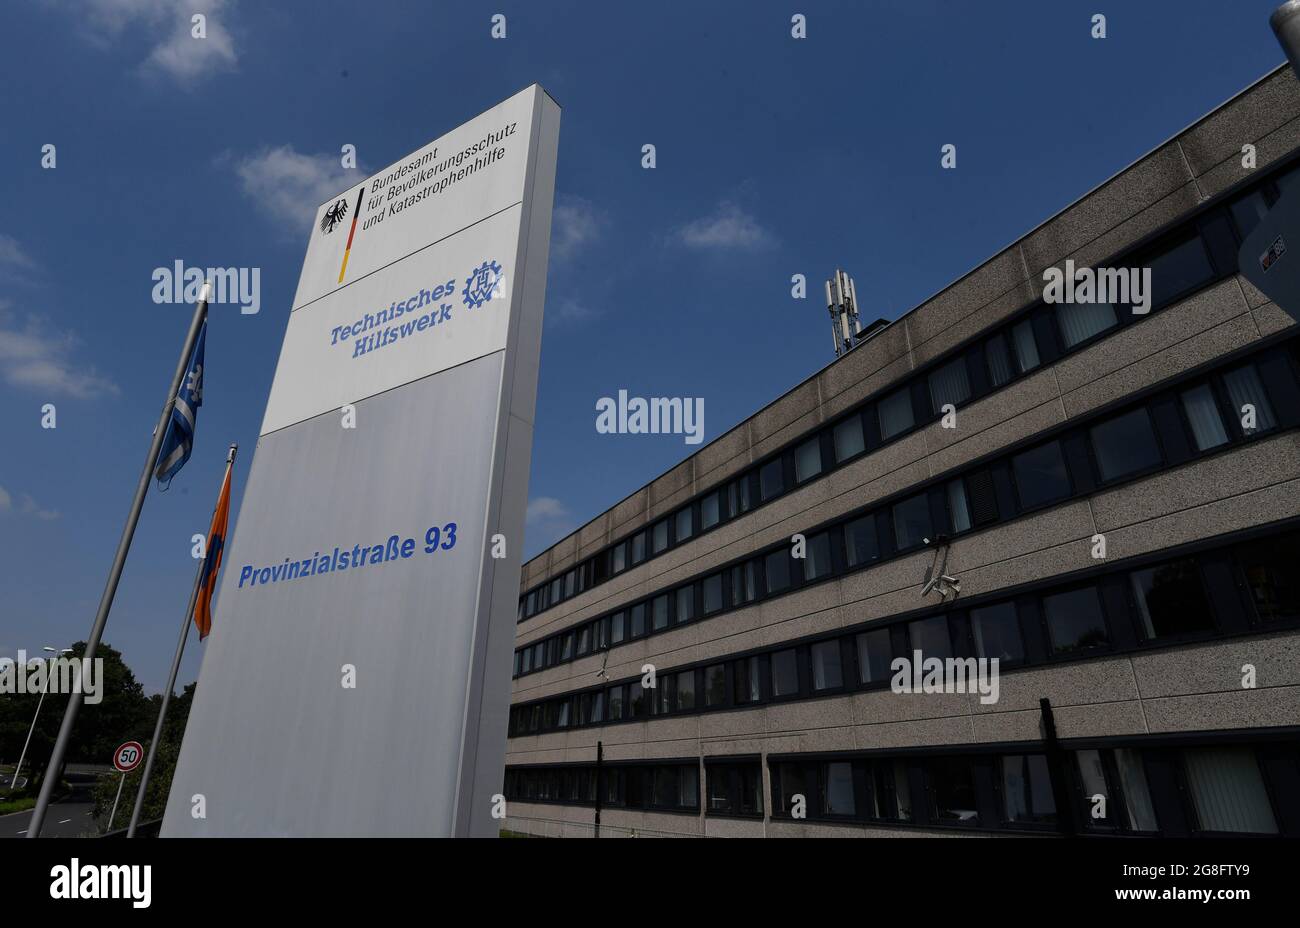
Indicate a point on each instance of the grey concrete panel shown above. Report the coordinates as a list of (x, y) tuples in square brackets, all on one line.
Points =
[(310, 766)]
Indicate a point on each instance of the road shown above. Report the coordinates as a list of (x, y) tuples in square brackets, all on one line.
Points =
[(71, 817), (64, 820)]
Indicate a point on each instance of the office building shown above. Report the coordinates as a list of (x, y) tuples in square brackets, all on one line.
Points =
[(1114, 515)]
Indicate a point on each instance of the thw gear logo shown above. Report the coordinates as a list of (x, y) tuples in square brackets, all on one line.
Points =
[(486, 283)]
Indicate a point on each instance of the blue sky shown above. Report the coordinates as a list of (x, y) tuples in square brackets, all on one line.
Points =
[(775, 157)]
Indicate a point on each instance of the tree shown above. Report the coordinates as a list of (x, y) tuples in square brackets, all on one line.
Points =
[(121, 713), (164, 765)]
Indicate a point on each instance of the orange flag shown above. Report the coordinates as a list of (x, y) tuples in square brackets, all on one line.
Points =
[(212, 563)]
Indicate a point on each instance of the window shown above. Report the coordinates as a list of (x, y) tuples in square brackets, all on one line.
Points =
[(566, 647), (1119, 778), (1027, 790), (735, 788), (685, 526), (895, 413), (684, 691), (874, 655), (667, 787), (793, 780), (712, 593), (998, 358), (1022, 337), (1179, 269), (688, 791), (555, 589), (615, 700), (738, 496), (785, 674), (1270, 569), (912, 522), (930, 637), (1074, 620), (710, 510), (1247, 395), (685, 604), (743, 583), (1203, 416), (848, 439), (1170, 600), (659, 612), (570, 580), (638, 547), (949, 384), (958, 509), (1041, 476), (526, 660), (601, 634), (636, 701), (1081, 321), (890, 794), (659, 533), (807, 460), (638, 620), (1125, 445), (997, 632), (584, 640), (770, 480), (817, 557), (619, 557), (860, 543), (777, 571), (1247, 211), (616, 627), (952, 792), (827, 672), (837, 788), (715, 686), (598, 706), (747, 686), (1228, 791)]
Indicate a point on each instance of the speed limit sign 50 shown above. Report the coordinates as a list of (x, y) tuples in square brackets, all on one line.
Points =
[(128, 756)]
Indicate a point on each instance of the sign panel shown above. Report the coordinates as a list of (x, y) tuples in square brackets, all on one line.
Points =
[(361, 646), (127, 757)]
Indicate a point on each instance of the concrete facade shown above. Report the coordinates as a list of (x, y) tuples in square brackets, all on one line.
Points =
[(1157, 691)]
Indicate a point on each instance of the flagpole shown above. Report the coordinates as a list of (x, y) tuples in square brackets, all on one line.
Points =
[(115, 574), (186, 620)]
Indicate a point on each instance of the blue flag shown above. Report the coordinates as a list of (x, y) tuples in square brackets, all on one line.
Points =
[(178, 442)]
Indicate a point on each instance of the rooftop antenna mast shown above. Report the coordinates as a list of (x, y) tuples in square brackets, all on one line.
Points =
[(842, 303)]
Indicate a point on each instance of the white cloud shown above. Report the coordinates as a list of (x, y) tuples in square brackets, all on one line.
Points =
[(289, 185), (26, 506), (14, 260), (545, 508), (567, 310), (167, 24), (36, 356), (728, 226), (548, 520), (575, 223)]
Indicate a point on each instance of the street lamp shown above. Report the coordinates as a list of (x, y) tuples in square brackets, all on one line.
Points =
[(13, 784)]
